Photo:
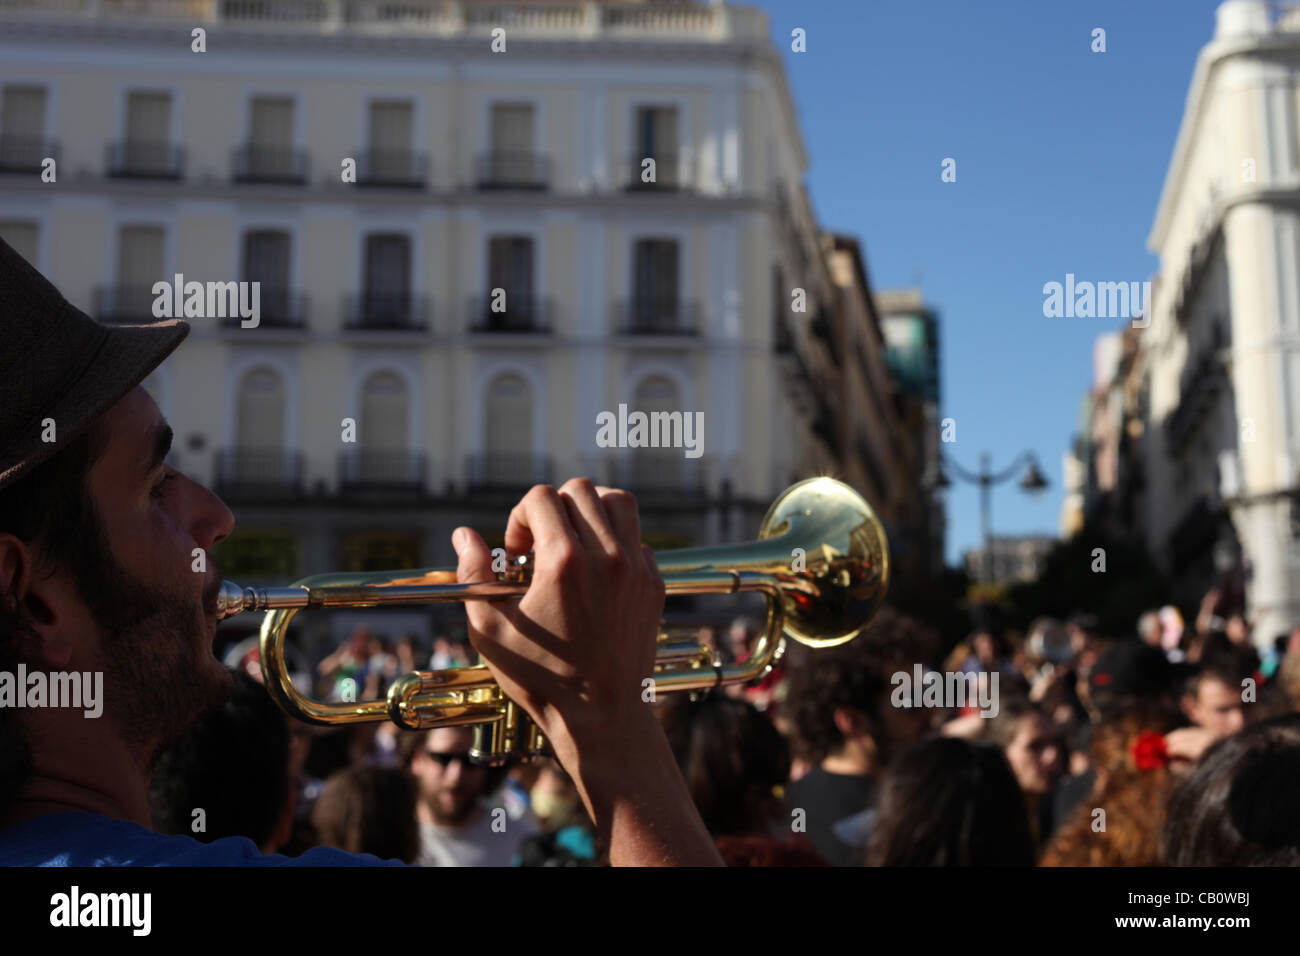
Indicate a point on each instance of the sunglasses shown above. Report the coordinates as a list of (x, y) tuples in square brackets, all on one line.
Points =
[(445, 759)]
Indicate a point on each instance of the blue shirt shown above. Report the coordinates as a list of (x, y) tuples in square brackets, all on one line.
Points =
[(89, 839)]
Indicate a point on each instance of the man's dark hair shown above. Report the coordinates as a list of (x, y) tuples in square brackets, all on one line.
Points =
[(731, 757), (949, 802), (856, 674), (1237, 808), (233, 764), (369, 809), (1224, 667), (51, 509), (1003, 728)]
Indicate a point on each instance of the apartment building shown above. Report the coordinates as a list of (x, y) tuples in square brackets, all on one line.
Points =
[(474, 227)]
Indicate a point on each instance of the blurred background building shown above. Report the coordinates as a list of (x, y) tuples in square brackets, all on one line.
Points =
[(1190, 433), (521, 170), (1008, 559)]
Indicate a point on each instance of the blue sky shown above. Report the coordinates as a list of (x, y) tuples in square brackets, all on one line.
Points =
[(1061, 154)]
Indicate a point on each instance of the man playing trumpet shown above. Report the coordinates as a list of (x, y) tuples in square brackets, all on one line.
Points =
[(98, 536)]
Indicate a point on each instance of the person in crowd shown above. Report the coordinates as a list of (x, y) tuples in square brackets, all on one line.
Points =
[(1119, 823), (229, 774), (1213, 698), (1238, 806), (566, 837), (950, 802), (844, 725), (344, 672), (735, 762), (1033, 748), (368, 809), (459, 822)]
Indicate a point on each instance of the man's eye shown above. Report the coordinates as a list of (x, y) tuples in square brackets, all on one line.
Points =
[(160, 490)]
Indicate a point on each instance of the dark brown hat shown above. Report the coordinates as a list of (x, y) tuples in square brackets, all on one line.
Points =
[(58, 363)]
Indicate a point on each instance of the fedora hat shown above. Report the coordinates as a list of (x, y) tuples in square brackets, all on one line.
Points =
[(58, 363)]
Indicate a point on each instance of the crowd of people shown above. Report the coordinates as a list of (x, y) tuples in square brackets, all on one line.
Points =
[(1171, 745)]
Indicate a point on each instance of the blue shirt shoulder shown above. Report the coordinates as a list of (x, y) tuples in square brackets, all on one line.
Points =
[(90, 839)]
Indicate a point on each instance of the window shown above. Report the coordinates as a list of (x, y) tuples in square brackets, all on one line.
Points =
[(391, 142), (266, 261), (22, 128), (270, 153), (655, 302), (510, 267), (148, 149), (139, 265), (387, 281), (511, 160)]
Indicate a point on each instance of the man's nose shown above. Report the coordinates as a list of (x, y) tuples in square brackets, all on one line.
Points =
[(210, 520)]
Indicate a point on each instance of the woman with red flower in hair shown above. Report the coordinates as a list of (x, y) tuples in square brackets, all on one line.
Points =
[(1132, 757)]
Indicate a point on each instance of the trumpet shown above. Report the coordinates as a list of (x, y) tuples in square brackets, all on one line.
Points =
[(821, 560)]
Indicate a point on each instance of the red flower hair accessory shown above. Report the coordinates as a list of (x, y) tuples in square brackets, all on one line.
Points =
[(1149, 751)]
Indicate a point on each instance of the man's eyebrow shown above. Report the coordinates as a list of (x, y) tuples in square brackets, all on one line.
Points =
[(162, 445)]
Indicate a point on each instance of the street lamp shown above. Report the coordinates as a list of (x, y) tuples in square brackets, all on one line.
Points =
[(1033, 482)]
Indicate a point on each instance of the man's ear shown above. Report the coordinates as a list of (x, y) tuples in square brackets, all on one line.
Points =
[(34, 603)]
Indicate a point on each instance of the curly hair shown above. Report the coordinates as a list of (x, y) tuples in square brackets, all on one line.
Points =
[(856, 674), (1133, 800)]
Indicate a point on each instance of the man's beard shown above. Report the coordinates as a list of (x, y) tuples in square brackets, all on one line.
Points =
[(159, 673)]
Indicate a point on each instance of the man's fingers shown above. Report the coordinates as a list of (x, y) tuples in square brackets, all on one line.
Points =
[(624, 518), (587, 515), (540, 521), (474, 565)]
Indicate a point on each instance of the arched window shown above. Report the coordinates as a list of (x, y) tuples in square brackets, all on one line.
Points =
[(508, 432), (383, 429), (657, 468), (260, 452)]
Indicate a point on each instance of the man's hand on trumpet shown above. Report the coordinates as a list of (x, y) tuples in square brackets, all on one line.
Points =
[(574, 651)]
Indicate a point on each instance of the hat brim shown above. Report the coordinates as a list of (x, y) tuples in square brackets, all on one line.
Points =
[(126, 356)]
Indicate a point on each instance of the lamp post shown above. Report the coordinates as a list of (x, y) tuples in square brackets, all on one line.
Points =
[(1032, 482)]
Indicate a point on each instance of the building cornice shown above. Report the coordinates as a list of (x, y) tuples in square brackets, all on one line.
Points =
[(1208, 61)]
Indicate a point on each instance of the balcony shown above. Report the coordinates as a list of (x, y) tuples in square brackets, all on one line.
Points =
[(524, 313), (671, 174), (260, 164), (386, 312), (383, 470), (558, 22), (140, 160), (258, 472), (657, 473), (507, 470), (127, 305), (505, 170), (394, 169), (278, 309), (26, 155), (657, 315)]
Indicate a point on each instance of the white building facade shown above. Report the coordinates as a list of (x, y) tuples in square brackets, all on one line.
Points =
[(388, 175), (1222, 353)]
